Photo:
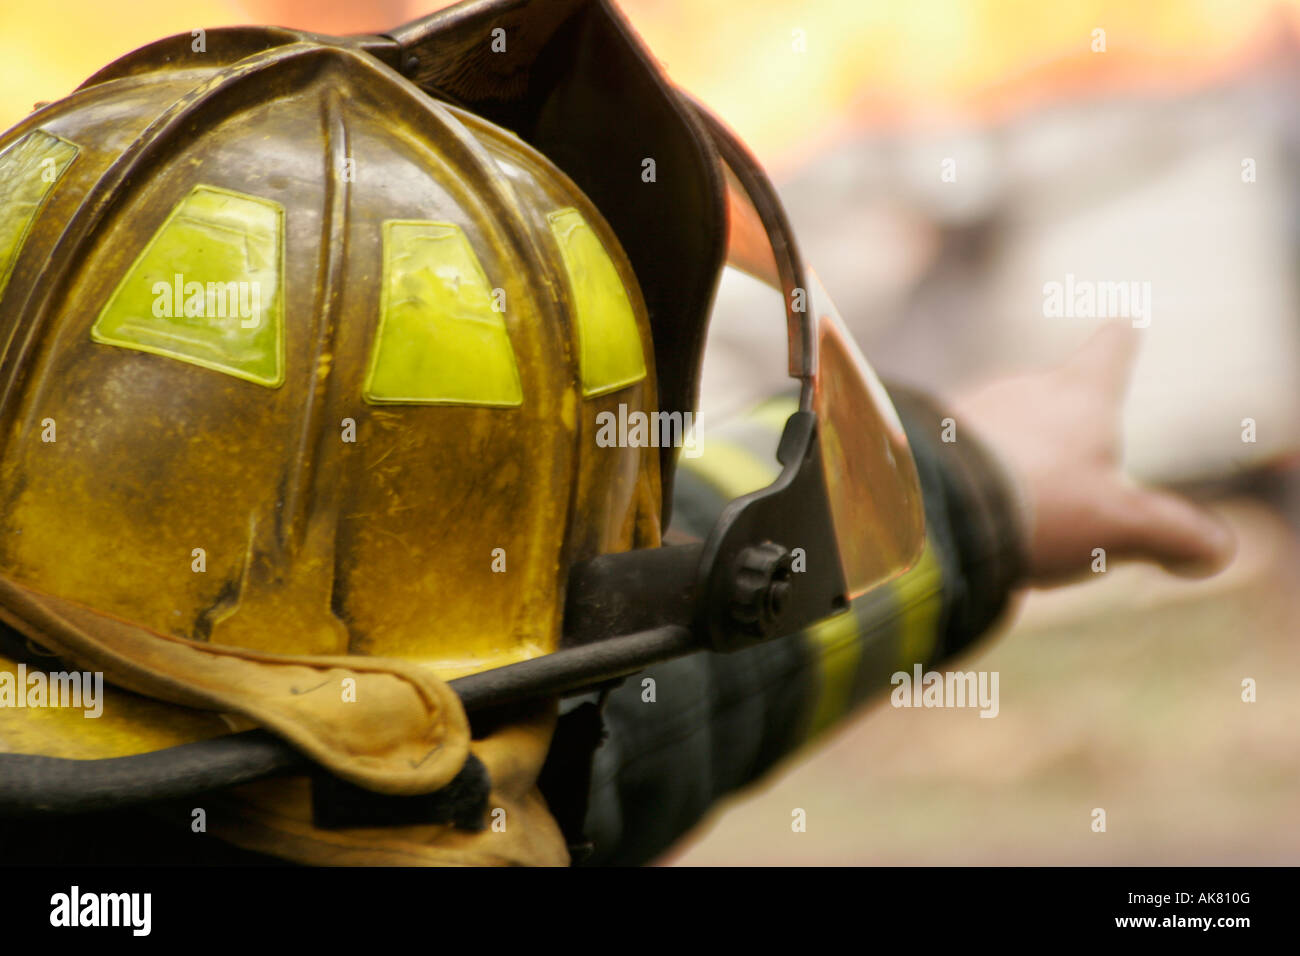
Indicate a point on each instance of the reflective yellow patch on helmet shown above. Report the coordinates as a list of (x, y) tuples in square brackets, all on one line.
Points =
[(29, 168), (608, 341), (208, 289), (440, 340)]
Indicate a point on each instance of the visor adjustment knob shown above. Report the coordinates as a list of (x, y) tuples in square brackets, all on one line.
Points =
[(762, 588)]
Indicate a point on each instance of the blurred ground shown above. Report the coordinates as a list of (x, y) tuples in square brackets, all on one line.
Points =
[(1123, 692)]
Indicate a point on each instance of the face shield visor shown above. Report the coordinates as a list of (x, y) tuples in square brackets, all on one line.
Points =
[(847, 497)]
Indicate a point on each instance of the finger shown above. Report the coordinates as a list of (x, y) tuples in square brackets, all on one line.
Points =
[(1106, 358), (1186, 538)]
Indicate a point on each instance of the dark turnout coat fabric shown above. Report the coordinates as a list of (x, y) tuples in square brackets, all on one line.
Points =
[(710, 724)]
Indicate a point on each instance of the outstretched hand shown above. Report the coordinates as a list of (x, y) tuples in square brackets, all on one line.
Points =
[(1058, 432)]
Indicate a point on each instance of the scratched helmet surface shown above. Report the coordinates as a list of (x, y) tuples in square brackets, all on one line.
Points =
[(298, 359)]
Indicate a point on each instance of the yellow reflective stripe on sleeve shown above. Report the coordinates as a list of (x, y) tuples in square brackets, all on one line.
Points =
[(908, 618), (732, 468), (740, 455), (774, 413), (207, 289), (609, 343), (837, 643), (29, 168), (440, 341), (918, 594)]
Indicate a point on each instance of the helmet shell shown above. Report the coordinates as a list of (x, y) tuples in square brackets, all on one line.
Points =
[(276, 487)]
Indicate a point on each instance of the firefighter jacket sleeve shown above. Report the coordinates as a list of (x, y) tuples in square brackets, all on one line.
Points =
[(674, 739)]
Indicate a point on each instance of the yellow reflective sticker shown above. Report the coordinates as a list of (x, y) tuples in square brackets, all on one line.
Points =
[(608, 340), (29, 168), (208, 289), (440, 340)]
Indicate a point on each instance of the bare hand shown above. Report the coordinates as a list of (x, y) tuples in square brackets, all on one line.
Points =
[(1058, 433)]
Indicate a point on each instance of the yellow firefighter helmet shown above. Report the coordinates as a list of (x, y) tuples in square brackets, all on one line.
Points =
[(306, 345), (300, 360)]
